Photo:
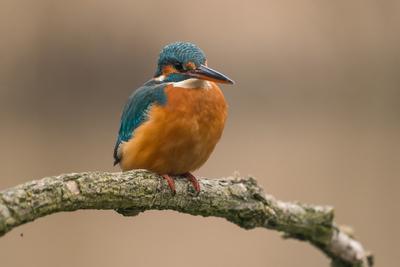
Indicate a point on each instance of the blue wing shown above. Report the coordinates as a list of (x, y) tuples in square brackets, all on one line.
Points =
[(135, 111)]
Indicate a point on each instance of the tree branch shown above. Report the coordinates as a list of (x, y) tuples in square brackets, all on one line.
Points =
[(240, 201)]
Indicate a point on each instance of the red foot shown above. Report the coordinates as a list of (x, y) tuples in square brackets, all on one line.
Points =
[(193, 180), (170, 182)]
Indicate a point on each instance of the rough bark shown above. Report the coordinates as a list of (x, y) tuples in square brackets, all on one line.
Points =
[(239, 200)]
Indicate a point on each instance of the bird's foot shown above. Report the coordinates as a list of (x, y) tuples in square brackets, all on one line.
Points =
[(171, 182), (188, 175), (193, 180)]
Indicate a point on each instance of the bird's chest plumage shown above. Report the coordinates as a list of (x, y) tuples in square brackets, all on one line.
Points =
[(179, 136)]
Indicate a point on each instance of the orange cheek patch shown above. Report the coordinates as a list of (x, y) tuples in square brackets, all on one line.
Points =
[(190, 66), (168, 70)]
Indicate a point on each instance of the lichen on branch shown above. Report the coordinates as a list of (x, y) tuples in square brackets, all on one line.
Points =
[(239, 200)]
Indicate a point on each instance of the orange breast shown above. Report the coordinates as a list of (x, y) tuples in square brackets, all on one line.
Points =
[(180, 136)]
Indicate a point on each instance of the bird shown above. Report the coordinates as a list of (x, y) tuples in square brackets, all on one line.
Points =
[(172, 123)]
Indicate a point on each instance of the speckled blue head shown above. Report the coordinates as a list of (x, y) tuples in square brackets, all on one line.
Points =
[(182, 60), (179, 54)]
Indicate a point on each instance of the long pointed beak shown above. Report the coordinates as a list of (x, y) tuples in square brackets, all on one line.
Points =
[(206, 73)]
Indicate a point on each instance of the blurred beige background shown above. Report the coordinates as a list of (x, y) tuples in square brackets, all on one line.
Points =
[(315, 116)]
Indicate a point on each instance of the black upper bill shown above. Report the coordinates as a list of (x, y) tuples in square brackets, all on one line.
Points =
[(205, 73)]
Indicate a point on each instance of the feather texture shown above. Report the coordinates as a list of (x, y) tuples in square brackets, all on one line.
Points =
[(136, 111), (177, 137)]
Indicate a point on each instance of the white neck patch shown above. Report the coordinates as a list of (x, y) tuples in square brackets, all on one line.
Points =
[(160, 78)]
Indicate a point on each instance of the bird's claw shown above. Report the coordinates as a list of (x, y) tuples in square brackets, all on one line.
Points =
[(171, 182), (194, 181), (189, 176)]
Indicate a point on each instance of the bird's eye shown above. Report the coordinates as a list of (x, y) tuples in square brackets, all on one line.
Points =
[(178, 66)]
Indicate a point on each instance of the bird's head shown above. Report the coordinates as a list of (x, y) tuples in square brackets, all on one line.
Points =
[(182, 60)]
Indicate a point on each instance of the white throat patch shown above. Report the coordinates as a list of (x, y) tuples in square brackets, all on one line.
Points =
[(193, 83)]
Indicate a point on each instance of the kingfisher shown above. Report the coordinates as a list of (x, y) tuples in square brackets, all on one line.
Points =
[(171, 124)]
